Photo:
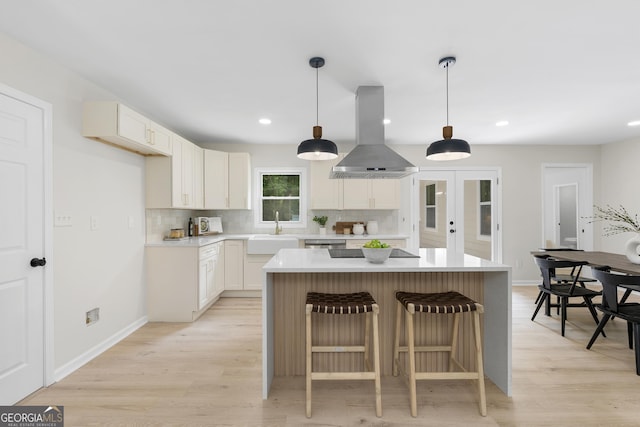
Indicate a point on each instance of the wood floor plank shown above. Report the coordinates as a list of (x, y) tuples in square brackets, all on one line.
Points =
[(209, 374)]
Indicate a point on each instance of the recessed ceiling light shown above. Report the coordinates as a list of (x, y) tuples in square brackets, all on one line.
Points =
[(264, 121), (386, 121), (502, 123), (634, 123)]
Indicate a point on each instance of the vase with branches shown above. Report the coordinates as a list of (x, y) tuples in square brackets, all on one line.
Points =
[(619, 220)]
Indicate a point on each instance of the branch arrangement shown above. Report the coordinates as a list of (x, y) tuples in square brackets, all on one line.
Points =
[(622, 221)]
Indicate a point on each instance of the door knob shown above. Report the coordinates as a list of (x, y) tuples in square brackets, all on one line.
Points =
[(452, 231), (38, 262)]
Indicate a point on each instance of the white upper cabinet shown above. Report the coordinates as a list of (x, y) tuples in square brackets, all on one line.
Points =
[(239, 181), (176, 182), (216, 179), (326, 193), (329, 193), (371, 194), (227, 180), (118, 124)]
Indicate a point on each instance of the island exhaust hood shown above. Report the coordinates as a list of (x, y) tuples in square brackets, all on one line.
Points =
[(371, 158)]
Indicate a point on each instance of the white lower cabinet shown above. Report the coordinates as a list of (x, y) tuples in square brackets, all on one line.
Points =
[(243, 272), (208, 275), (253, 271), (358, 243), (233, 265), (182, 282)]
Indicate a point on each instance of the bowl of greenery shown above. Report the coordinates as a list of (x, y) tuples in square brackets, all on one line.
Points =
[(376, 252)]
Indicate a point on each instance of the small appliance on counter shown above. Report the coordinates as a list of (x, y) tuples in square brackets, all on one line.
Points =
[(208, 225)]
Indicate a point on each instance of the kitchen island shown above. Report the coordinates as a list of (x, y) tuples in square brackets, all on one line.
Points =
[(291, 273)]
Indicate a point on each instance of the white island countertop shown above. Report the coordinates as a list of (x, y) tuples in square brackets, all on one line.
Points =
[(431, 259)]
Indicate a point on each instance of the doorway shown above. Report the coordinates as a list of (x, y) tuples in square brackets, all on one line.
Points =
[(567, 202), (26, 294), (459, 210)]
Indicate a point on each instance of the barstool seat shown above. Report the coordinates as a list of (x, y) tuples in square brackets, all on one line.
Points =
[(437, 303), (352, 303)]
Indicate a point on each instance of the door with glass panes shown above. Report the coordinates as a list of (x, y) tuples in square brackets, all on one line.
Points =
[(458, 210)]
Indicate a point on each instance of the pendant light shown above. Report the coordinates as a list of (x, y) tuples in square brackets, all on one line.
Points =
[(317, 148), (448, 148)]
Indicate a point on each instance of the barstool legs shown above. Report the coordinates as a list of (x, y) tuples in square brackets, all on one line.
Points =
[(309, 307), (372, 374), (411, 349)]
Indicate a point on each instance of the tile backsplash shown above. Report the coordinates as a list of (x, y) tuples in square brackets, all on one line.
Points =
[(160, 221)]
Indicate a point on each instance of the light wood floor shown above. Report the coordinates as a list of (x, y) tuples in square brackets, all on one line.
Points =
[(209, 374)]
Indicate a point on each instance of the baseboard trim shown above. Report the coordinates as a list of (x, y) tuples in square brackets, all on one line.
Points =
[(526, 282), (97, 350)]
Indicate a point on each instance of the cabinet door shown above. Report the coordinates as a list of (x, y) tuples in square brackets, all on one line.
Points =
[(253, 271), (385, 193), (188, 172), (239, 181), (218, 280), (160, 138), (356, 194), (198, 177), (326, 193), (216, 179), (203, 281), (177, 200), (233, 264), (132, 125)]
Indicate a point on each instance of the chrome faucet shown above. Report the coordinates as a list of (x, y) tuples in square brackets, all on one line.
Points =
[(278, 227)]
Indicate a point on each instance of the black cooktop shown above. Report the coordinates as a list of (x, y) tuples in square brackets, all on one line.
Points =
[(357, 253)]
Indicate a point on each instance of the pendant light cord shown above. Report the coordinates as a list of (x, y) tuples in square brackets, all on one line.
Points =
[(447, 95), (317, 97)]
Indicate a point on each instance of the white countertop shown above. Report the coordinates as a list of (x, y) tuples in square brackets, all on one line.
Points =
[(431, 259), (207, 240)]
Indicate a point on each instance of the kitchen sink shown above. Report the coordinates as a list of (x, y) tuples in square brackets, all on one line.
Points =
[(264, 244)]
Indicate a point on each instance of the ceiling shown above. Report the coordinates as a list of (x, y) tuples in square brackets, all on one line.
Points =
[(560, 72)]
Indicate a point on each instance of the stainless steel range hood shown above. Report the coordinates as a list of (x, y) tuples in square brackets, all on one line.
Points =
[(371, 158)]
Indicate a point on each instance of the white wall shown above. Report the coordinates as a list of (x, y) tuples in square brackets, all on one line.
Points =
[(619, 182), (102, 268)]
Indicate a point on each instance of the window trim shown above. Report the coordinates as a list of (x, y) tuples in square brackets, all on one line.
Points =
[(480, 236), (257, 218), (434, 206)]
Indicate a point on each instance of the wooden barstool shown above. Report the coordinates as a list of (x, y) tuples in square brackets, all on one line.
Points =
[(437, 303), (353, 303)]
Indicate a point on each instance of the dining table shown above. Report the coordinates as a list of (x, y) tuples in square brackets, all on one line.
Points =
[(617, 262)]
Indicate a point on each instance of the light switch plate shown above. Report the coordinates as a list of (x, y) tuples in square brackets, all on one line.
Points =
[(95, 222)]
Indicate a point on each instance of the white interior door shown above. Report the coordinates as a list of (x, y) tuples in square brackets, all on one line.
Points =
[(460, 210), (567, 201), (22, 227)]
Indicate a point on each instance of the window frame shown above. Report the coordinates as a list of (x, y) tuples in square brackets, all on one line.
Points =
[(480, 204), (302, 197), (434, 206)]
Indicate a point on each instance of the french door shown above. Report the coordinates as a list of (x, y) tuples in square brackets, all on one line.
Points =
[(459, 210)]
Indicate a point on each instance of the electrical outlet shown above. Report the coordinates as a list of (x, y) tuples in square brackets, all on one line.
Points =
[(92, 316), (130, 221), (62, 219)]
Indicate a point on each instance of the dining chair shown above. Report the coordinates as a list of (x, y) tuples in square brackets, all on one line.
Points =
[(564, 276), (564, 291), (611, 306)]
